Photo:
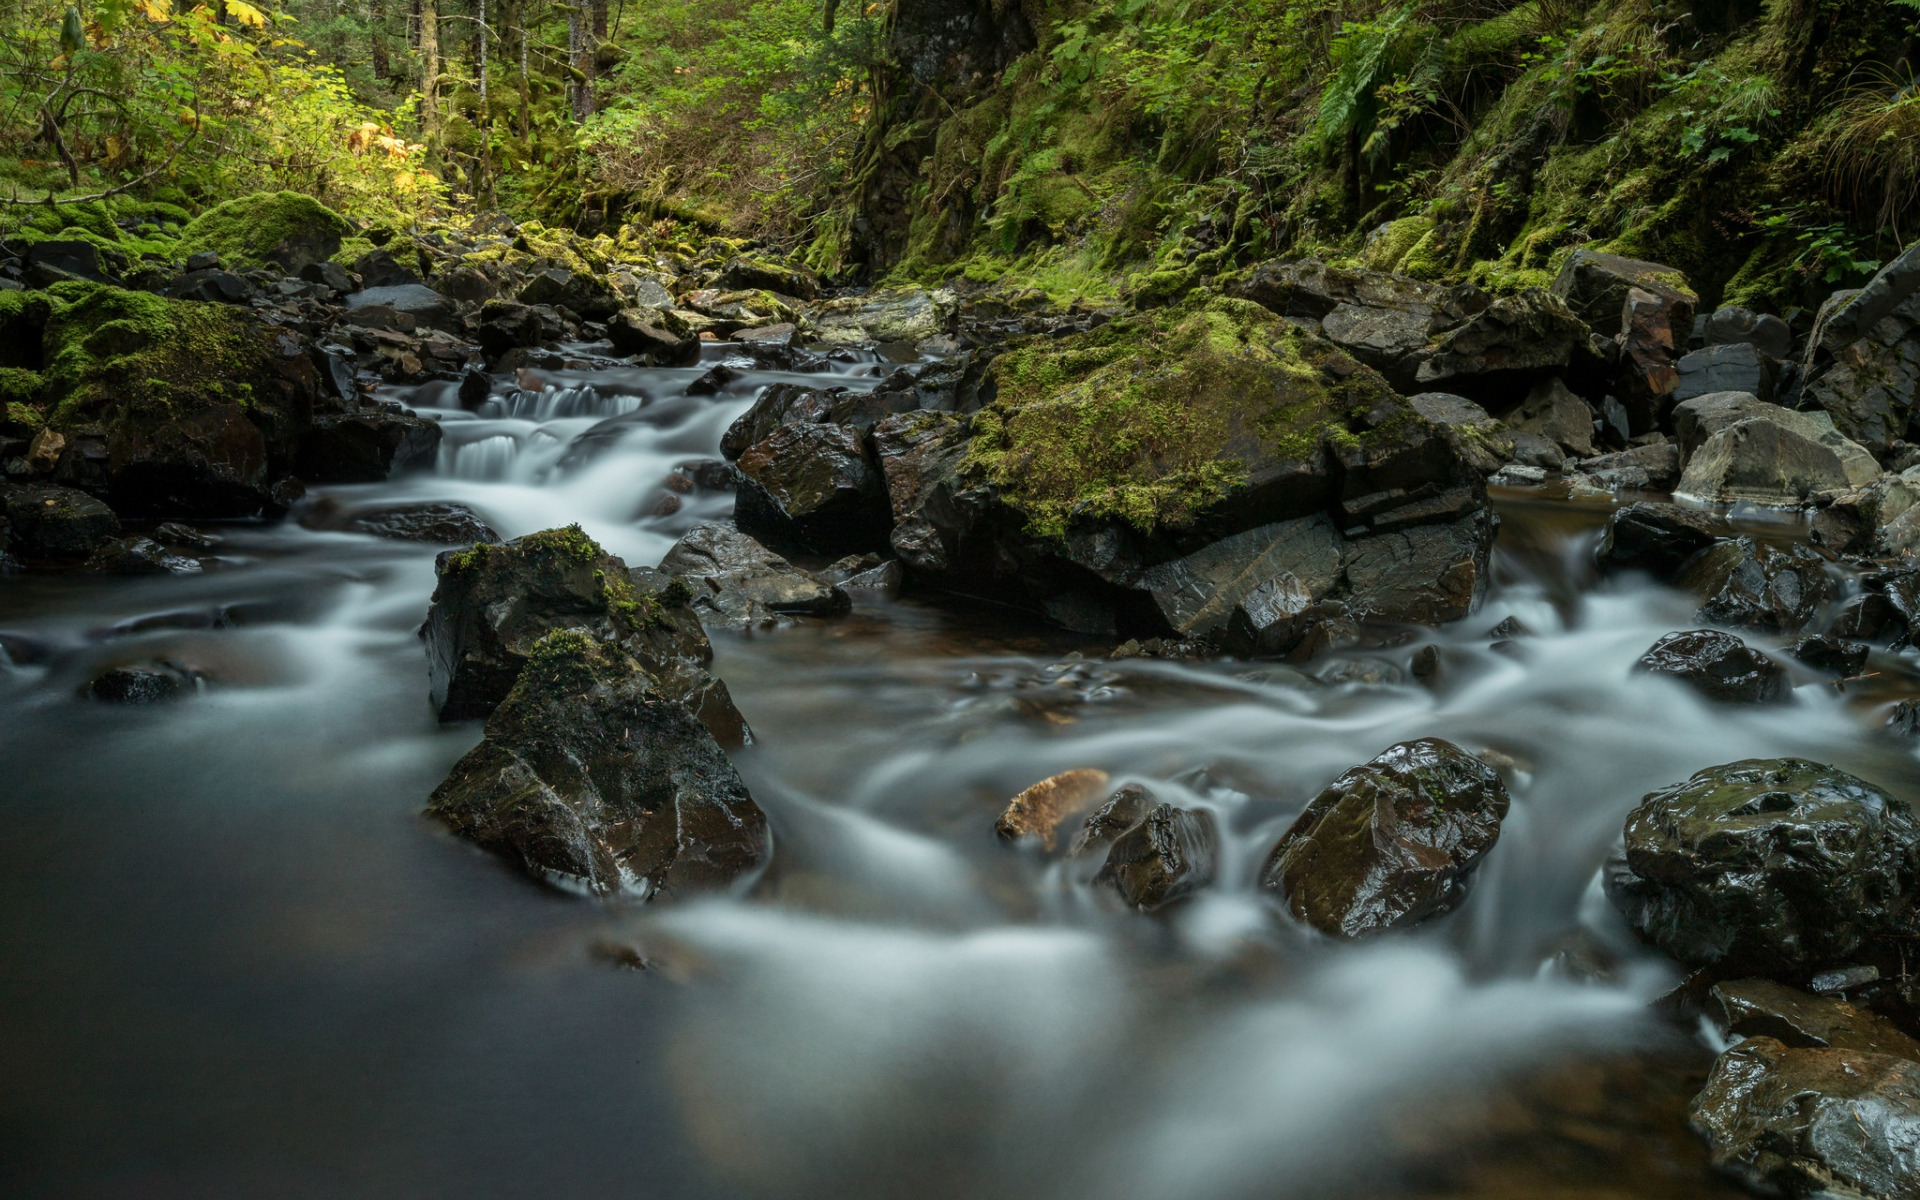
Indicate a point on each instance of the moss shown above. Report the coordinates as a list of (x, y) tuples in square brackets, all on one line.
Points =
[(20, 392), (568, 543), (107, 348), (1153, 419), (350, 251), (263, 228), (570, 661), (1388, 249)]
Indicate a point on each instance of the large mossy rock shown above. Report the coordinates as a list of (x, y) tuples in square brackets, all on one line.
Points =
[(591, 777), (1391, 842), (174, 407), (1794, 1121), (1119, 478), (494, 603), (1773, 866), (282, 229)]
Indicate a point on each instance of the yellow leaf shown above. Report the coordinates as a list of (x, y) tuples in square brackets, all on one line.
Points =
[(246, 14), (154, 11)]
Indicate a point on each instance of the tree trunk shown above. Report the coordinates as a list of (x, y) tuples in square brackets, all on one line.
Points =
[(580, 54), (480, 36), (413, 24), (429, 73), (377, 39), (599, 22)]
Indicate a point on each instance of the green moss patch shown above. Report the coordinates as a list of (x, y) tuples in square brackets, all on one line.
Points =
[(107, 348), (284, 229)]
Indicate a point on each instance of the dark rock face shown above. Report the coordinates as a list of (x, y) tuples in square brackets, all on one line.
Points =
[(634, 331), (1653, 325), (1734, 368), (366, 445), (378, 268), (1755, 585), (586, 295), (1698, 418), (1423, 574), (155, 683), (788, 404), (813, 486), (1806, 1122), (1127, 807), (494, 602), (1497, 356), (1836, 656), (211, 285), (506, 326), (1595, 286), (1558, 415), (1717, 665), (1655, 538), (1482, 441), (738, 583), (140, 556), (1391, 842), (51, 261), (428, 308), (1735, 326), (56, 522), (591, 777), (1745, 1008), (442, 524), (1861, 363), (1771, 865), (1169, 853)]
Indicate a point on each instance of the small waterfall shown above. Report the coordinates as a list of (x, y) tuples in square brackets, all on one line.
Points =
[(489, 458), (552, 403)]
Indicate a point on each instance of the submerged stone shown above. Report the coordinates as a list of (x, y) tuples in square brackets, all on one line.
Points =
[(1168, 854), (1757, 585), (1717, 665)]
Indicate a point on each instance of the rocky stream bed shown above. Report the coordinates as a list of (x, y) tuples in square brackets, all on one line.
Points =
[(516, 713)]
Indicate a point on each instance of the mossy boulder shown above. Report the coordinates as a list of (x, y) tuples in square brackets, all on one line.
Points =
[(172, 407), (593, 778), (1151, 473), (282, 229), (493, 604)]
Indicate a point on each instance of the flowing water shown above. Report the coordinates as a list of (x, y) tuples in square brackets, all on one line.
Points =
[(236, 962)]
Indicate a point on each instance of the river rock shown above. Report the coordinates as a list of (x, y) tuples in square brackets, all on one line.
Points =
[(1700, 417), (1558, 415), (439, 523), (1835, 656), (381, 268), (1650, 468), (1653, 325), (1735, 368), (140, 556), (1658, 539), (1757, 585), (56, 522), (815, 487), (737, 583), (288, 230), (211, 285), (1424, 574), (790, 404), (1881, 518), (1038, 811), (366, 445), (634, 331), (492, 603), (1594, 285), (1717, 665), (505, 326), (1498, 355), (1127, 807), (1862, 362), (1169, 854), (1768, 865), (1735, 326), (1745, 1008), (586, 295), (1269, 575), (1776, 456), (427, 308), (56, 260), (593, 778), (1390, 842), (153, 683), (900, 315), (1481, 440), (744, 274), (1813, 1122)]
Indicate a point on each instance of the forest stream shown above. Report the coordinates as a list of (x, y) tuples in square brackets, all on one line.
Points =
[(239, 962)]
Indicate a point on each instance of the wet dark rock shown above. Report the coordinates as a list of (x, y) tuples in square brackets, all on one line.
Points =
[(367, 445), (1126, 808), (591, 777), (1904, 719), (1735, 326), (577, 291), (1649, 468), (326, 274), (154, 683), (1813, 1122), (756, 274), (1757, 585), (1424, 574), (57, 259), (1731, 368), (714, 381), (140, 556), (1717, 665), (441, 524), (506, 326), (492, 603), (1169, 854), (379, 268), (466, 285), (1767, 865), (1655, 538), (1745, 1008), (739, 584), (1480, 439), (1268, 576), (633, 331), (813, 486), (476, 388), (788, 404), (56, 522), (172, 533), (1836, 656), (1391, 842)]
